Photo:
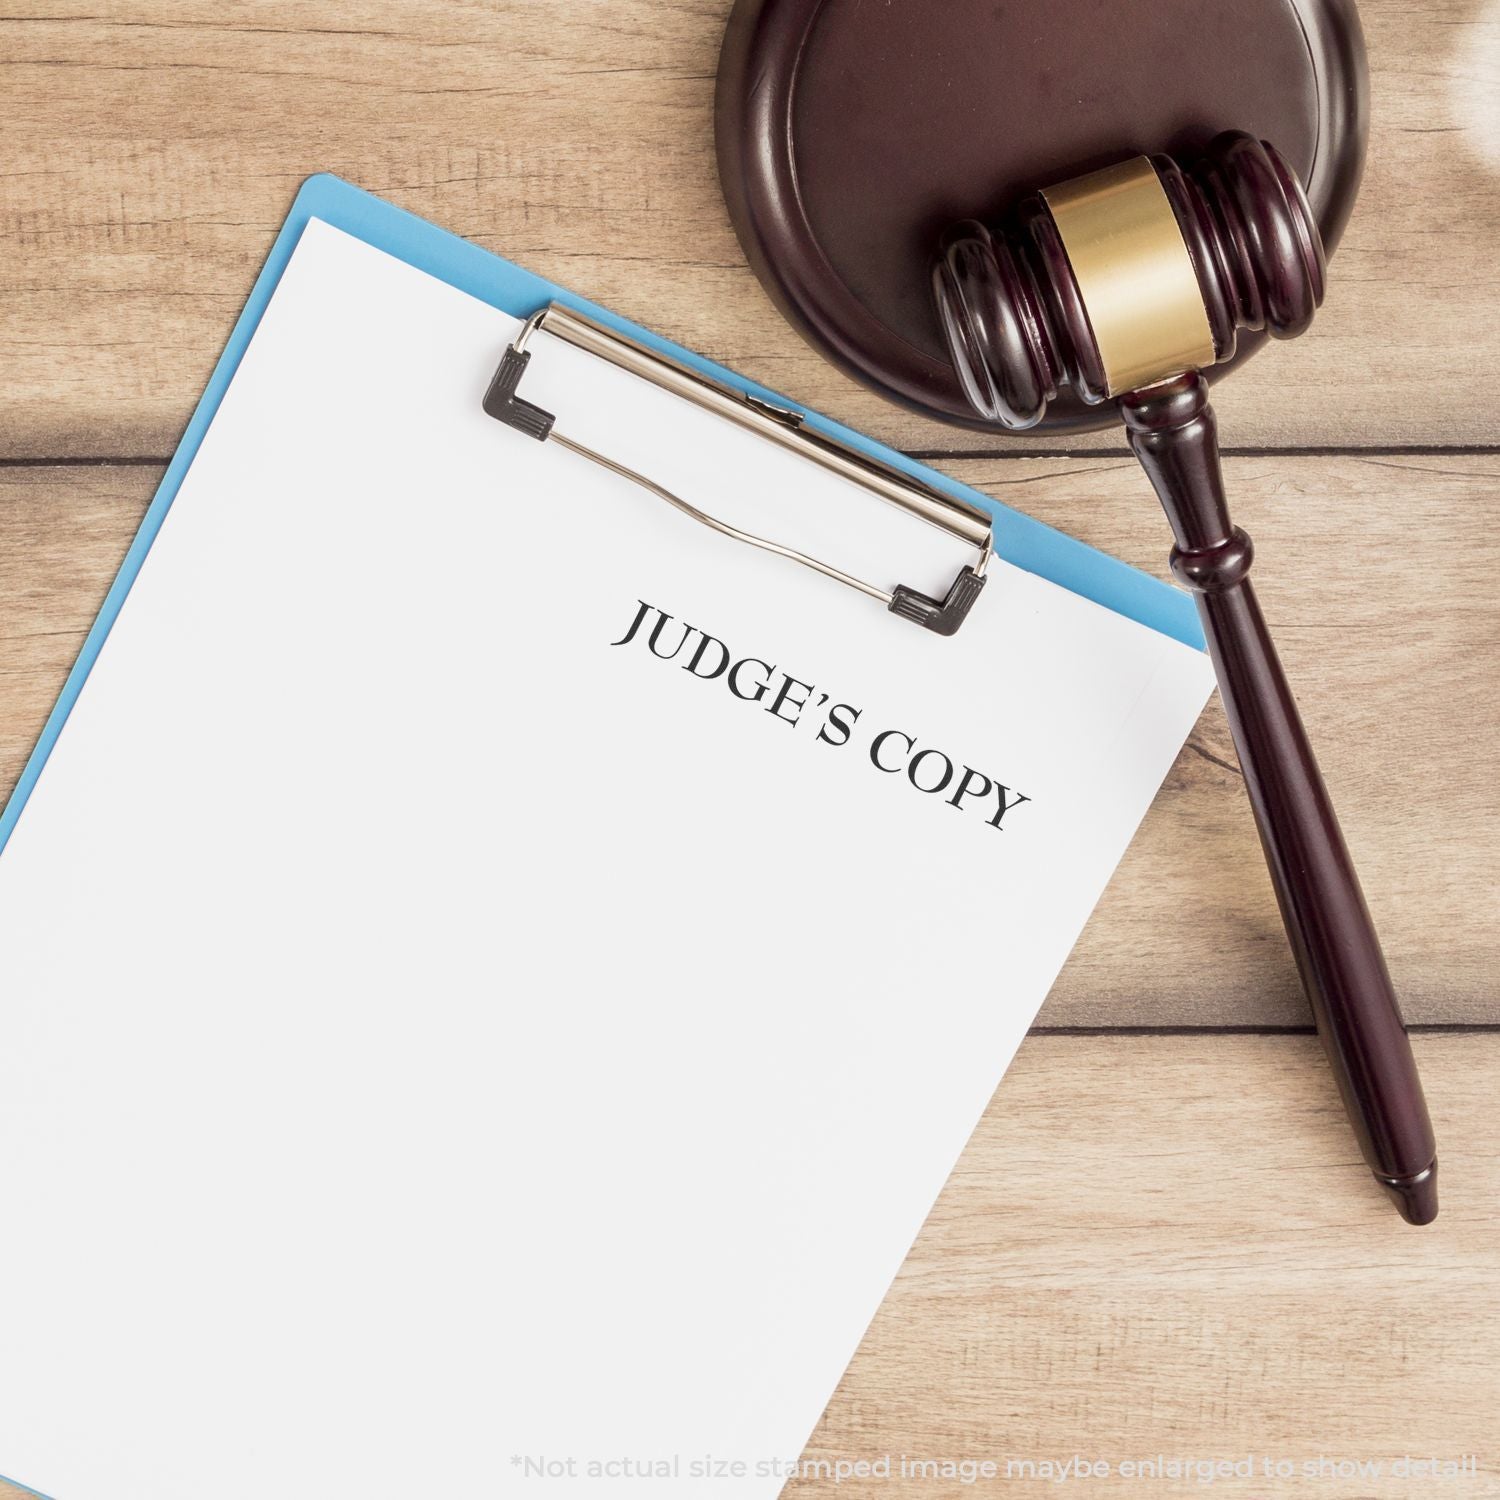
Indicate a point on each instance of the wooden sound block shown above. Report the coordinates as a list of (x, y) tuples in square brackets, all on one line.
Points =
[(852, 133)]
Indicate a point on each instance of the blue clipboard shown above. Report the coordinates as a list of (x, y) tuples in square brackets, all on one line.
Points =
[(1019, 539)]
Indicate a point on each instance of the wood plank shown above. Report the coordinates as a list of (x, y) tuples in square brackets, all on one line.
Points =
[(1167, 1245), (152, 150), (1121, 1266), (1376, 576)]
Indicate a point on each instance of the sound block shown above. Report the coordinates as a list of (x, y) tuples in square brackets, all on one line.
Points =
[(851, 133)]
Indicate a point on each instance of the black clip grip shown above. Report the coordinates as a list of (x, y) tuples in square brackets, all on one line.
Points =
[(502, 403), (944, 618)]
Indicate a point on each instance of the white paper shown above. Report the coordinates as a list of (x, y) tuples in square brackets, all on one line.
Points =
[(433, 1037)]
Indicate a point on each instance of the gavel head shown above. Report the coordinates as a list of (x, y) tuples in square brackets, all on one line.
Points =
[(1128, 276)]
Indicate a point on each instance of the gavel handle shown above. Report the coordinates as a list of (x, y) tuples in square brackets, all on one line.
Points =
[(1173, 433)]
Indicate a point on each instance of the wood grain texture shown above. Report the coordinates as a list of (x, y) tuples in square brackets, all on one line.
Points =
[(1168, 1245), (1384, 660), (151, 149)]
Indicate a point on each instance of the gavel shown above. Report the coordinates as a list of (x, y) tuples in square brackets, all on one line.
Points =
[(1125, 285)]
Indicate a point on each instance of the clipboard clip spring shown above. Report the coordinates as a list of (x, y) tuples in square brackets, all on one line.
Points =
[(780, 425)]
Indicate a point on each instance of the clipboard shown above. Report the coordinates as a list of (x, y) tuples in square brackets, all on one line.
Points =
[(1019, 539), (442, 811)]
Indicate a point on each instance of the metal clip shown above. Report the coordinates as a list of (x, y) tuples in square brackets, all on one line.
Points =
[(780, 425)]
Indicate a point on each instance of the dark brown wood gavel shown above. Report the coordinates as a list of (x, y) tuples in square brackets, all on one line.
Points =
[(1124, 285)]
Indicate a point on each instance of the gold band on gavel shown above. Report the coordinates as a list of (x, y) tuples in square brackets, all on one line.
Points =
[(1132, 267)]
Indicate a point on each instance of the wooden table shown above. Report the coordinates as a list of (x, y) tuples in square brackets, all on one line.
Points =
[(1199, 1304)]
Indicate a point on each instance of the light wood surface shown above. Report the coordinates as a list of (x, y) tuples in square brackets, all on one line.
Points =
[(151, 150), (1124, 1265), (1156, 1243)]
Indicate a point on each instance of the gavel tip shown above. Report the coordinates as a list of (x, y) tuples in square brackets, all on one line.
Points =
[(1415, 1196)]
